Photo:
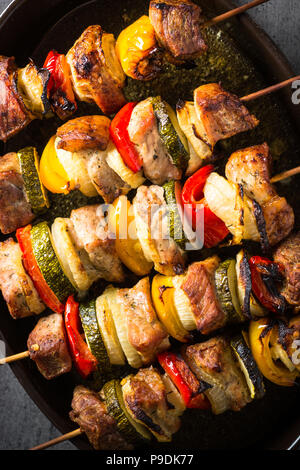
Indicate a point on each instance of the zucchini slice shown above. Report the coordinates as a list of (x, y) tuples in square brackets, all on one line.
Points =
[(92, 334), (133, 431), (48, 261), (132, 356), (248, 366), (226, 285), (108, 331), (172, 194), (250, 306), (168, 134), (116, 163), (35, 191)]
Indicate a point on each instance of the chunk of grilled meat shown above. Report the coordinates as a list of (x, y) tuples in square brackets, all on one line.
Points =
[(146, 400), (13, 113), (250, 168), (97, 75), (47, 345), (199, 286), (287, 254), (145, 332), (213, 362), (152, 226), (177, 25), (15, 210), (91, 234), (143, 132), (90, 413), (220, 114), (17, 288), (86, 132)]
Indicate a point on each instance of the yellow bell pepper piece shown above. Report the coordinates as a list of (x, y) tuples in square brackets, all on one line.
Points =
[(163, 301), (52, 173), (122, 223), (135, 46), (261, 350)]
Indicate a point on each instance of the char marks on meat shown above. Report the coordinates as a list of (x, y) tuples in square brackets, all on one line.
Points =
[(288, 256)]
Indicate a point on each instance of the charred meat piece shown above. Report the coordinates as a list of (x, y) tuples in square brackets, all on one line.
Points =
[(143, 132), (97, 75), (177, 25), (152, 226), (199, 286), (90, 413), (220, 114), (15, 210), (288, 256), (47, 345), (146, 399), (279, 219), (213, 362), (86, 132), (13, 113), (145, 332), (17, 288), (91, 234)]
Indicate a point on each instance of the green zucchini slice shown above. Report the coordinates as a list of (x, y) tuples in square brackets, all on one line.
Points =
[(171, 194), (168, 134), (35, 191), (132, 431), (88, 315), (249, 367), (45, 255), (226, 285)]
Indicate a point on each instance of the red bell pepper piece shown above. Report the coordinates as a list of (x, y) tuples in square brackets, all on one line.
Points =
[(83, 359), (60, 81), (192, 193), (120, 137), (46, 294), (184, 380), (264, 275)]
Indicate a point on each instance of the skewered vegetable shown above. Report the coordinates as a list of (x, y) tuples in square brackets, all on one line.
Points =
[(249, 305), (226, 284)]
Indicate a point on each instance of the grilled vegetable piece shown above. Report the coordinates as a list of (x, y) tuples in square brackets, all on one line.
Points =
[(92, 334), (116, 163), (228, 202), (213, 362), (287, 254), (145, 332), (200, 152), (91, 414), (129, 428), (14, 114), (251, 168), (17, 288), (15, 209), (33, 86), (220, 114), (85, 132), (199, 286), (91, 234), (96, 73), (172, 193), (249, 305), (226, 285), (151, 214), (122, 224), (249, 367), (75, 262), (138, 50), (143, 132), (48, 263), (47, 345), (36, 193), (146, 400), (177, 25)]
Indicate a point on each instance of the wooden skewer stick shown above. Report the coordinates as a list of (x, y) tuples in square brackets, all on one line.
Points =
[(57, 440), (231, 13), (286, 174), (270, 89), (15, 357)]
